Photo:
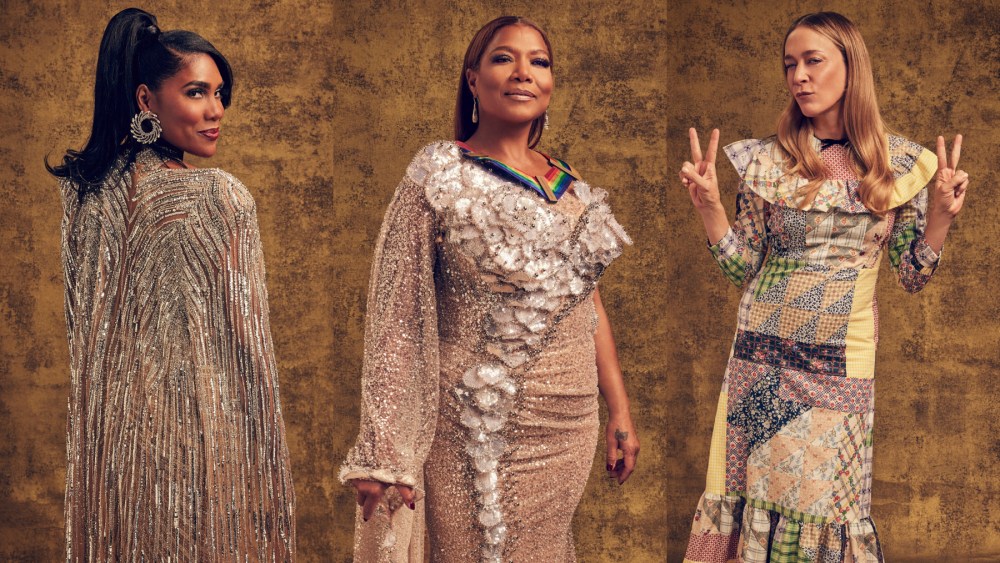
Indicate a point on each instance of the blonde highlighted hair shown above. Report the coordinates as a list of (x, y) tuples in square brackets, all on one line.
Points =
[(867, 135)]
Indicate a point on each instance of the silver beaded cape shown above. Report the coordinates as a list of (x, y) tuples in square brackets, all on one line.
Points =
[(175, 441), (479, 384)]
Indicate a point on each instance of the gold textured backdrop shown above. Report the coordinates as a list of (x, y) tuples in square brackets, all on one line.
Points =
[(331, 102)]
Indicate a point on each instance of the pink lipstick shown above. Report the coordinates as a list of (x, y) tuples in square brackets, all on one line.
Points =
[(211, 134)]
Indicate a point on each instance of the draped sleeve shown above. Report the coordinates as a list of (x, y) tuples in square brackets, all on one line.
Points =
[(399, 380), (85, 276), (83, 271), (249, 356)]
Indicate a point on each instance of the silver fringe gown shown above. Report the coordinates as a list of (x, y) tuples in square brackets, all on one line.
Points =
[(175, 440)]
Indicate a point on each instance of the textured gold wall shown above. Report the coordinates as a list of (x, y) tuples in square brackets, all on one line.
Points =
[(331, 102)]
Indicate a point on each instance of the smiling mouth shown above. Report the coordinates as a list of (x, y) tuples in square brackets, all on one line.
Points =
[(520, 95), (212, 134)]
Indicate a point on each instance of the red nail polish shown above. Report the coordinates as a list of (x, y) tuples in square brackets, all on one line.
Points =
[(413, 506), (609, 467)]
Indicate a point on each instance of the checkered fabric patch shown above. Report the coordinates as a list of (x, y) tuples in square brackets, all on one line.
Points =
[(787, 512), (829, 392), (789, 354), (774, 271), (785, 545)]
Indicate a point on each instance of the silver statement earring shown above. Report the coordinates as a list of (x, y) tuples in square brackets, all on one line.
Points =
[(475, 110), (546, 126), (138, 128)]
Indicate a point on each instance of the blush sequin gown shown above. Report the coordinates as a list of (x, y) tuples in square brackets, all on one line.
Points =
[(175, 441), (790, 468), (479, 379)]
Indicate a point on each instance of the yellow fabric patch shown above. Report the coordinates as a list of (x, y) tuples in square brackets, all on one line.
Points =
[(908, 185), (861, 327), (716, 481)]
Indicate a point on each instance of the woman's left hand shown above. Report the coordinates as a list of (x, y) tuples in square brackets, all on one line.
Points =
[(950, 183), (621, 436)]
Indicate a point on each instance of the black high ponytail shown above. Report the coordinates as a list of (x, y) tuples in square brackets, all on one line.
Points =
[(133, 52)]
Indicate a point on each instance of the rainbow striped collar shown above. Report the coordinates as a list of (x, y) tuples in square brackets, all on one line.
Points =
[(551, 186)]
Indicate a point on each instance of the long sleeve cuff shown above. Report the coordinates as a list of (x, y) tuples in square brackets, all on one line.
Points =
[(374, 474), (728, 252), (727, 246), (924, 257), (350, 473)]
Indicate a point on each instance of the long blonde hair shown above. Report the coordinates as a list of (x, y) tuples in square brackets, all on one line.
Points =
[(866, 133)]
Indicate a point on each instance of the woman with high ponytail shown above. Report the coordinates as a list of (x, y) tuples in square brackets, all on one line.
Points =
[(175, 440), (790, 465)]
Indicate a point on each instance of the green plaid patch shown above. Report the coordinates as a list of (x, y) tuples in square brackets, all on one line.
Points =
[(901, 243), (727, 254), (775, 269), (785, 548), (735, 268), (786, 512)]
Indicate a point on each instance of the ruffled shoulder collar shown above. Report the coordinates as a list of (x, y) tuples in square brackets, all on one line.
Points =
[(760, 164), (913, 167), (433, 159)]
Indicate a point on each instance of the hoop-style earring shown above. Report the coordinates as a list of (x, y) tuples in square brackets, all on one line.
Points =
[(546, 126), (138, 129), (475, 110)]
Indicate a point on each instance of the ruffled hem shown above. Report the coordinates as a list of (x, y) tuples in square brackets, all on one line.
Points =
[(760, 166), (728, 529)]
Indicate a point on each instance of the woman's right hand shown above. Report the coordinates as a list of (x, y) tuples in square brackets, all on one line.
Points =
[(370, 493), (703, 186), (699, 176)]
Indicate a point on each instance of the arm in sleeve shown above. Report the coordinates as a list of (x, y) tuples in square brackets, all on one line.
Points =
[(910, 257), (399, 395), (741, 250), (244, 349)]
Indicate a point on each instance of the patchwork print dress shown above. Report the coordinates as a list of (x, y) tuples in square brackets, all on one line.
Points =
[(789, 474), (479, 378)]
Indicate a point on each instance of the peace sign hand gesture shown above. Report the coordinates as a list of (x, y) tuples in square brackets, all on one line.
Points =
[(703, 186), (950, 183), (699, 176)]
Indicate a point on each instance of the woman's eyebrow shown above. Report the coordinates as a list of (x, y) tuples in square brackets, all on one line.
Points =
[(513, 50), (806, 53)]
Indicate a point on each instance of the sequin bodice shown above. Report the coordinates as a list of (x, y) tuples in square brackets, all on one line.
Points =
[(522, 262)]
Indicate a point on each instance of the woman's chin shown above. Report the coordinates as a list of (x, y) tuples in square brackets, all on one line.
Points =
[(806, 111), (201, 151), (521, 120)]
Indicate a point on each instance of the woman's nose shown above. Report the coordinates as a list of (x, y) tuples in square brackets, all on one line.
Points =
[(800, 74), (522, 71), (215, 110)]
